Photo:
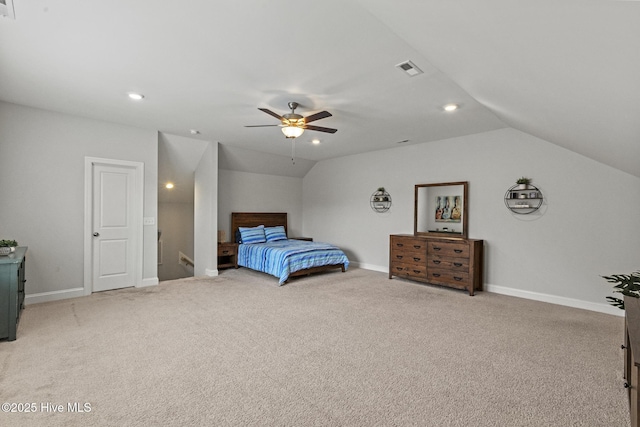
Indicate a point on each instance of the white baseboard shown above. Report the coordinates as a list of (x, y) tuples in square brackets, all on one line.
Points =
[(211, 273), (536, 296), (553, 299), (53, 296), (150, 281), (73, 293), (381, 269)]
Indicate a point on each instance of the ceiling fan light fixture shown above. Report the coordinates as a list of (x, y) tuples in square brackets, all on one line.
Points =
[(292, 131)]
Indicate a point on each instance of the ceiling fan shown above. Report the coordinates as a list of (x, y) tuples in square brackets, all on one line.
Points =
[(293, 125)]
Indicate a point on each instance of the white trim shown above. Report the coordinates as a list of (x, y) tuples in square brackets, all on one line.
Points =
[(535, 296), (89, 162), (373, 267), (53, 296), (149, 281), (553, 299), (211, 273)]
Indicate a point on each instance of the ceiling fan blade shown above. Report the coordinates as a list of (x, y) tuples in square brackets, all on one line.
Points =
[(317, 116), (271, 113), (320, 129), (259, 126)]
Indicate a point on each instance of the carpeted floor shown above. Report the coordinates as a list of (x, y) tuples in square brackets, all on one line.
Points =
[(335, 349)]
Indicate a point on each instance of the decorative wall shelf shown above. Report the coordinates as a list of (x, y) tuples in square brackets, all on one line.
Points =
[(523, 199), (380, 200)]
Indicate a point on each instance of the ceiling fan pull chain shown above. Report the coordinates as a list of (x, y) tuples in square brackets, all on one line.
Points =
[(293, 151)]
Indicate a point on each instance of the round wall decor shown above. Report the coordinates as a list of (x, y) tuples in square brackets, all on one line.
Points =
[(380, 200)]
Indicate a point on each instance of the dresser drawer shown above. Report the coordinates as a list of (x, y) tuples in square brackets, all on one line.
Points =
[(408, 270), (453, 264), (448, 249), (226, 250), (412, 258), (407, 244), (458, 279)]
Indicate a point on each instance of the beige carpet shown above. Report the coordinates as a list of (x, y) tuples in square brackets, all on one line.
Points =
[(336, 349)]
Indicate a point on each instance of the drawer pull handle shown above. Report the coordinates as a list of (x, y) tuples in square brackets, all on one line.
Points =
[(435, 261), (399, 245), (399, 256), (416, 246), (457, 278), (225, 252), (458, 251), (399, 268), (416, 271), (626, 385), (435, 248), (416, 259), (457, 264), (436, 275)]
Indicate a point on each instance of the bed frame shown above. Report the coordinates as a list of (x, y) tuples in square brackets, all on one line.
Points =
[(272, 219)]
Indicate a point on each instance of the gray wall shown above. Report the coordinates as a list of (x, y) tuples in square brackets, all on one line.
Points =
[(205, 209), (586, 228), (175, 220), (252, 192), (42, 191)]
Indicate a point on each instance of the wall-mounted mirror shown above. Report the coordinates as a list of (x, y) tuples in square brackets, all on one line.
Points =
[(441, 209)]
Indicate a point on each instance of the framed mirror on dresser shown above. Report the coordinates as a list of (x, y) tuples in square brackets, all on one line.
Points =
[(441, 209), (439, 251)]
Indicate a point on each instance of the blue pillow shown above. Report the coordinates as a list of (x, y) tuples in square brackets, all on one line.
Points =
[(251, 235), (275, 233)]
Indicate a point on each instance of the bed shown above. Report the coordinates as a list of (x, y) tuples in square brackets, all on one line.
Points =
[(281, 256)]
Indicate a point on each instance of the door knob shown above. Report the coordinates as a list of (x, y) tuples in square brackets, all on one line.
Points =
[(96, 234)]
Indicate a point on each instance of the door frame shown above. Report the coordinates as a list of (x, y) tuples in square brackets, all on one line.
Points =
[(137, 225)]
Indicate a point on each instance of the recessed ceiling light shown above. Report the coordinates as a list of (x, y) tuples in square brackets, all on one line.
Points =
[(169, 185), (451, 107), (136, 96), (315, 141), (194, 132)]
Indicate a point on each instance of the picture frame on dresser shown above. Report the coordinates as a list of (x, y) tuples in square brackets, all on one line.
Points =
[(440, 209)]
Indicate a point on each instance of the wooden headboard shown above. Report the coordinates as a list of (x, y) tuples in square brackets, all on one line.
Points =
[(253, 219)]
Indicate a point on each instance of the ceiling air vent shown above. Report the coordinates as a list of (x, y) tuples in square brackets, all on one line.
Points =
[(6, 9), (409, 68)]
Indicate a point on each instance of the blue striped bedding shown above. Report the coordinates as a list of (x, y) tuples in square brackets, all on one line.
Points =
[(283, 257)]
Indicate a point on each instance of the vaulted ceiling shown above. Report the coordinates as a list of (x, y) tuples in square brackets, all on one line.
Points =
[(566, 71)]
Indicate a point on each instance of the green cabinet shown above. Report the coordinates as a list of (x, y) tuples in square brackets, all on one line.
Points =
[(11, 291)]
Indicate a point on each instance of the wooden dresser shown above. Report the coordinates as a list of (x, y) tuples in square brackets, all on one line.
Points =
[(12, 279), (632, 356), (452, 262)]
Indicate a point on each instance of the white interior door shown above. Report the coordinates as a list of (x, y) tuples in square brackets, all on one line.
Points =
[(115, 226)]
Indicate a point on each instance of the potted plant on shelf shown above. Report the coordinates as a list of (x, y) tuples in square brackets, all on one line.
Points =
[(382, 192), (523, 183), (7, 246), (626, 284)]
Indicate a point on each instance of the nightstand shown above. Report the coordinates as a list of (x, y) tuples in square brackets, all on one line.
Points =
[(227, 255)]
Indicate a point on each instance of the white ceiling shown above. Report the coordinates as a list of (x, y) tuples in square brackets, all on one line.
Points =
[(565, 71)]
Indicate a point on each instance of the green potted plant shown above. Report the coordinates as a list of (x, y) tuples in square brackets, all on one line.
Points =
[(626, 284), (381, 192), (7, 246), (523, 183)]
